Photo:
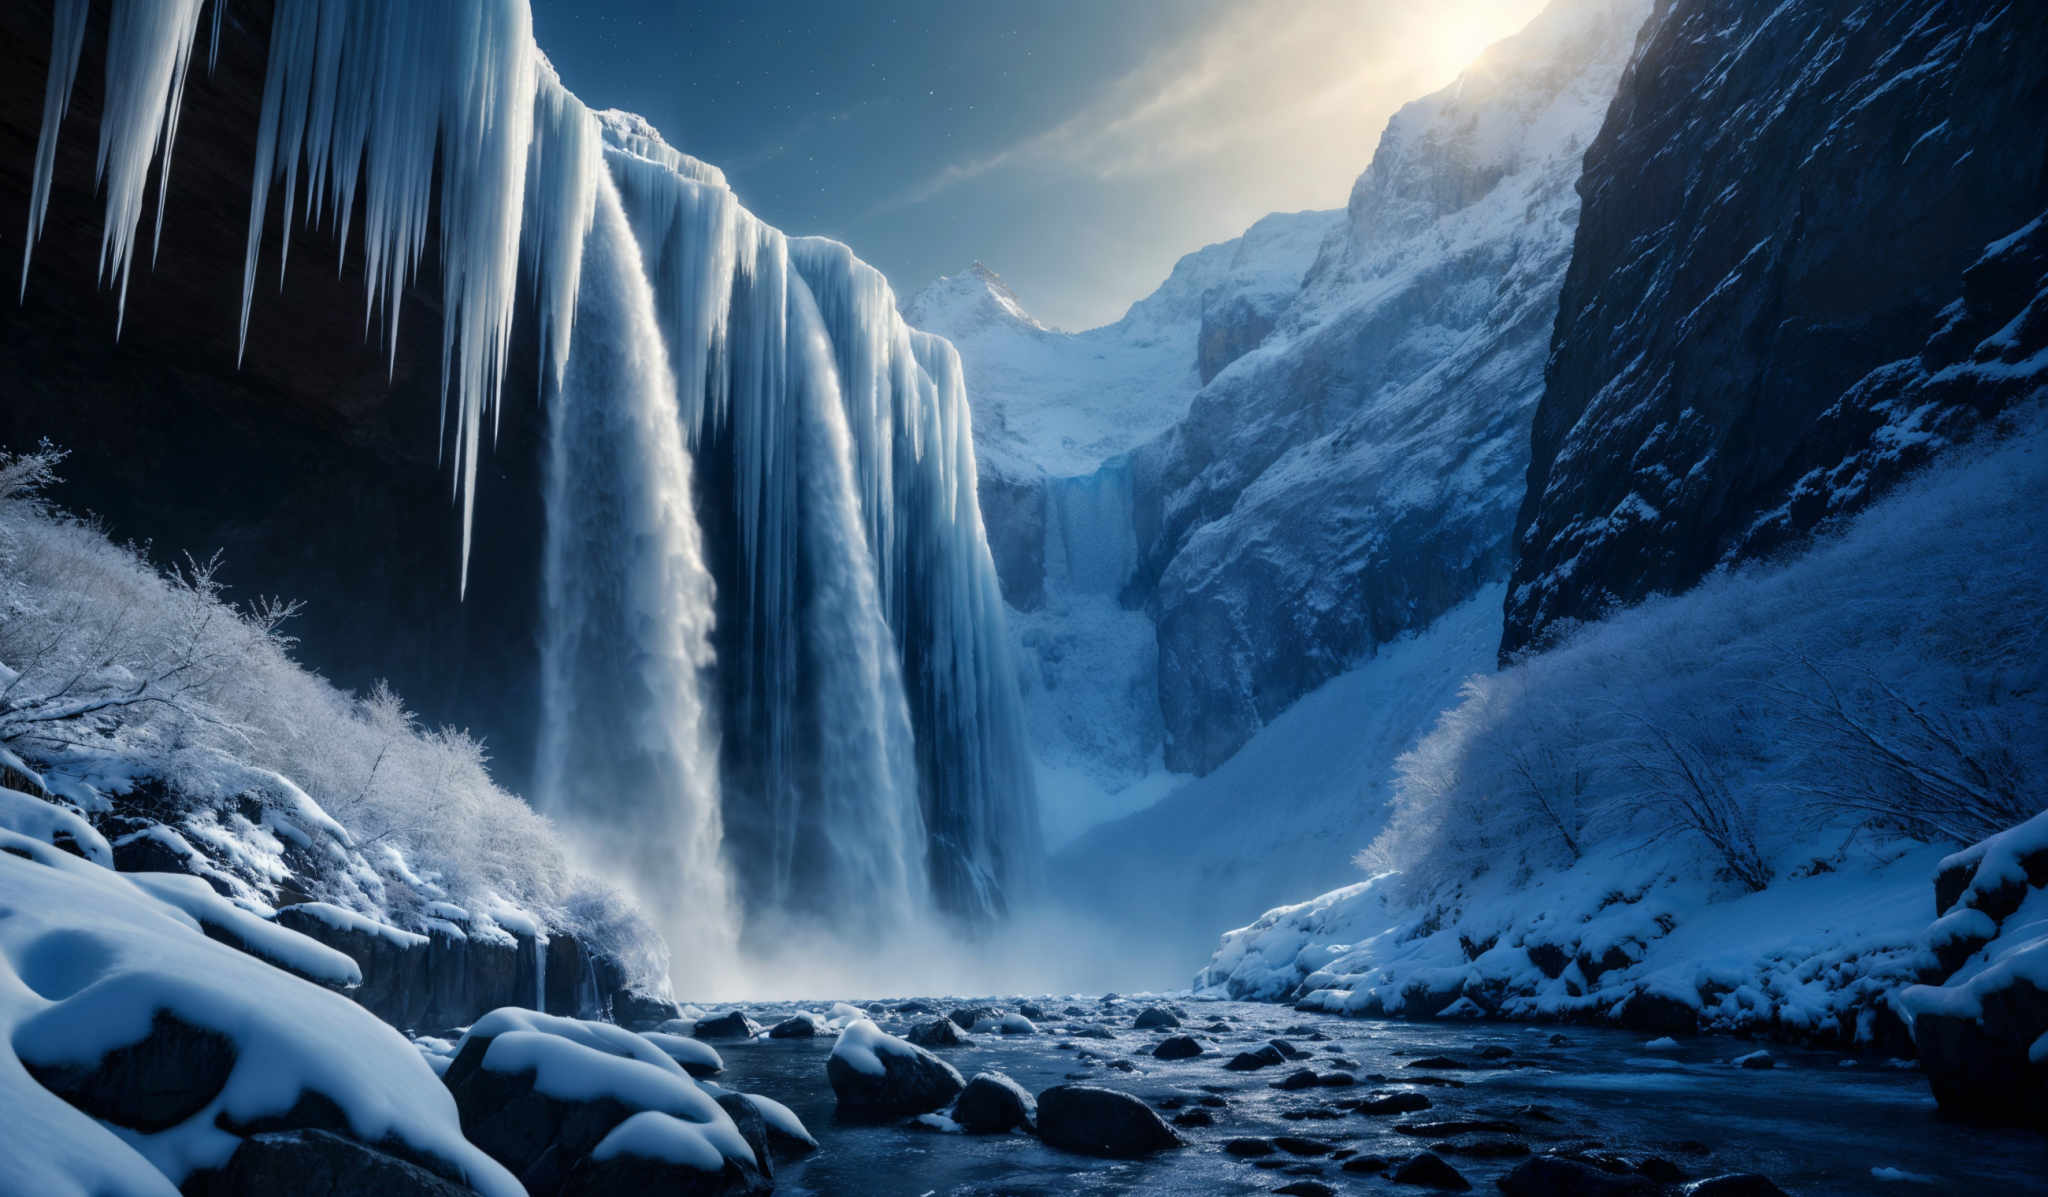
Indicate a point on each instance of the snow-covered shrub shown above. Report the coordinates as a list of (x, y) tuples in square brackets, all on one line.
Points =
[(113, 672), (1887, 680)]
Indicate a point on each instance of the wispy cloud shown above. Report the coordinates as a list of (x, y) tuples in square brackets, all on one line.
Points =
[(1269, 70)]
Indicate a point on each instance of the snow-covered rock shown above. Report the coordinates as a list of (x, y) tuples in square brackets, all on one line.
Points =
[(1983, 1032), (145, 1054), (876, 1074)]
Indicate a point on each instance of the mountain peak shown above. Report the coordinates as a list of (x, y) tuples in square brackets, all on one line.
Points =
[(956, 305)]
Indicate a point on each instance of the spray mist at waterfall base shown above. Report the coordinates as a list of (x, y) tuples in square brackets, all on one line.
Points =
[(1042, 950)]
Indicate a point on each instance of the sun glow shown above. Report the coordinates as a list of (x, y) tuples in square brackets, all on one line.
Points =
[(1459, 38)]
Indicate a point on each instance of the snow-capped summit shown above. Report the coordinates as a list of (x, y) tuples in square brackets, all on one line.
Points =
[(977, 297)]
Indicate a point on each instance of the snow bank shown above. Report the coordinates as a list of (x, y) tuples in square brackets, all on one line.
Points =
[(91, 959)]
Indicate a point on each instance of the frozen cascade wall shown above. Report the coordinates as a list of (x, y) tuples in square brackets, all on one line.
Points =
[(627, 755), (861, 691)]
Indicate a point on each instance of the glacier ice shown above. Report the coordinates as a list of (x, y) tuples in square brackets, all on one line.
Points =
[(775, 640)]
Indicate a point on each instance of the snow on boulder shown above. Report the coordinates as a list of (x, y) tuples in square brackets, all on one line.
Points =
[(733, 1024), (221, 919), (572, 1106), (876, 1074), (1983, 1035), (118, 1006), (55, 825), (697, 1057)]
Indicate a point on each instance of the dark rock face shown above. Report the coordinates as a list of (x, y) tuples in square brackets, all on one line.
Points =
[(312, 465), (318, 1163), (639, 1010), (914, 1082), (1096, 1121), (798, 1027), (1659, 1014), (1732, 341), (753, 1128), (993, 1103), (150, 1085), (1264, 1057), (1178, 1047)]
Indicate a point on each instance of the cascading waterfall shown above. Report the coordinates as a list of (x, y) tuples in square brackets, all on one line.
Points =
[(775, 675), (628, 760)]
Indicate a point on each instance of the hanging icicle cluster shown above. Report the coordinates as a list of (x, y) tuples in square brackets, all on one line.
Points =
[(873, 752)]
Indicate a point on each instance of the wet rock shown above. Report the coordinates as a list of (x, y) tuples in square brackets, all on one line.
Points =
[(1248, 1148), (1123, 1066), (1554, 1176), (1263, 1057), (733, 1024), (1103, 1122), (1090, 1033), (1179, 1047), (1287, 1049), (1393, 1103), (800, 1027), (1313, 1114), (318, 1161), (1757, 1060), (1304, 1079), (939, 1032), (1293, 1145), (1155, 1018), (913, 1008), (1336, 1080), (993, 1103), (1661, 1170), (1483, 1149), (1194, 1118), (1307, 1188), (1034, 1013), (1449, 1127), (967, 1017), (1734, 1184), (1495, 1051), (1430, 1172), (1366, 1165)]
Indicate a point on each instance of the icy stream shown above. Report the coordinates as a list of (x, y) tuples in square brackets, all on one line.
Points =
[(1817, 1123)]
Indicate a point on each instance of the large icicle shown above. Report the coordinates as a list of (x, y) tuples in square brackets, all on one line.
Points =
[(149, 48), (628, 760)]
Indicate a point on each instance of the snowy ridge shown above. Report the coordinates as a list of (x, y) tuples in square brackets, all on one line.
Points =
[(1050, 403)]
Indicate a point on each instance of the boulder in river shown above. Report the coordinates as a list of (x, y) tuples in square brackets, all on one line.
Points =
[(879, 1075), (1178, 1047), (801, 1026), (939, 1032), (1096, 1121), (1430, 1172), (993, 1103), (1555, 1176), (1155, 1018), (733, 1024), (1263, 1057)]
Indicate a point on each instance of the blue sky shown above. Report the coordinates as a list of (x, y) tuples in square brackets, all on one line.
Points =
[(1078, 147)]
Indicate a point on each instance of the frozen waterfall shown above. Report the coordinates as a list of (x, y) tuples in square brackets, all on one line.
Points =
[(776, 679), (628, 759)]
